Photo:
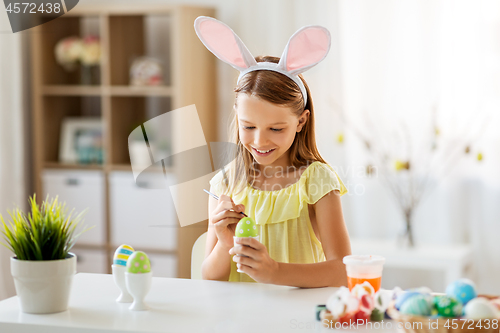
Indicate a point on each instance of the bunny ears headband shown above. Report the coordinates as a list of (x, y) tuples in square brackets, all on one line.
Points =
[(307, 47)]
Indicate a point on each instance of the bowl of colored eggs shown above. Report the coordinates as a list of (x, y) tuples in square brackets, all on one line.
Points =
[(460, 309)]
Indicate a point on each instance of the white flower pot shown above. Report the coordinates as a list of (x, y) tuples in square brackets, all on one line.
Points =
[(43, 286)]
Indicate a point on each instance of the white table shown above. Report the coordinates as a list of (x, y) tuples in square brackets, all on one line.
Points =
[(452, 260), (177, 305)]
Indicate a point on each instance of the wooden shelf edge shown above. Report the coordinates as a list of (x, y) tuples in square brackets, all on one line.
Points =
[(166, 91), (110, 167), (95, 247), (103, 247), (120, 167), (152, 250), (123, 9), (71, 90), (68, 166), (80, 90), (128, 167)]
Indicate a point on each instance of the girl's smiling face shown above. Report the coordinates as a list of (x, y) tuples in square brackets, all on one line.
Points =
[(264, 126)]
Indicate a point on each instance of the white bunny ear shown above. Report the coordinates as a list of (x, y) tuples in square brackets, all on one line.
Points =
[(223, 42), (307, 47)]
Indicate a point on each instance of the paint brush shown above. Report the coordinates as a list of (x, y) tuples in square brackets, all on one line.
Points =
[(217, 198)]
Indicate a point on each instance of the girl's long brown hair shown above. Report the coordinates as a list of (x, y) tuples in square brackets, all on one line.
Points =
[(278, 89)]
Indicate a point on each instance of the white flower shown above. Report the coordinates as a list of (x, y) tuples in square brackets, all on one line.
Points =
[(91, 52), (362, 289), (342, 302), (382, 299), (68, 51)]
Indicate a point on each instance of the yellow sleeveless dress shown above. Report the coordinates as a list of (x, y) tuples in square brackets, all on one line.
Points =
[(282, 216)]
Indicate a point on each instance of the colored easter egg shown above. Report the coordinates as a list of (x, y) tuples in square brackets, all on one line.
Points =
[(396, 291), (434, 311), (319, 308), (336, 305), (325, 314), (463, 290), (377, 315), (361, 317), (122, 254), (422, 290), (480, 308), (362, 289), (342, 302), (419, 305), (448, 306), (496, 303), (327, 319), (367, 303), (138, 263), (246, 227), (382, 299), (403, 297), (347, 318)]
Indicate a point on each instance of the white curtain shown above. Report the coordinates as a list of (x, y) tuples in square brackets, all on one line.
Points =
[(399, 59), (12, 151)]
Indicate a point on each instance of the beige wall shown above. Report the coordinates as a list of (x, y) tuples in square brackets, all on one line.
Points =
[(14, 135)]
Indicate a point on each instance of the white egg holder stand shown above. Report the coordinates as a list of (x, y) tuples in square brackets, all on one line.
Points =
[(133, 286)]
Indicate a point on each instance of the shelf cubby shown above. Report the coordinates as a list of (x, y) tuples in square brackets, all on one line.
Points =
[(50, 34), (133, 36), (55, 110), (128, 113)]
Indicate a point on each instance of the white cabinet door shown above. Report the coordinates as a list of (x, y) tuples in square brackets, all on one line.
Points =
[(90, 261), (80, 189), (141, 217), (163, 265)]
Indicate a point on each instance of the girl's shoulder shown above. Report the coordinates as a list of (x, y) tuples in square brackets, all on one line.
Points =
[(321, 177), (316, 168)]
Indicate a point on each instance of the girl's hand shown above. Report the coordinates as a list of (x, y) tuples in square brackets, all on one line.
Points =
[(258, 264), (224, 219)]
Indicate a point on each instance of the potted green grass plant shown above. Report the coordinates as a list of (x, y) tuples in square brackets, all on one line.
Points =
[(42, 266)]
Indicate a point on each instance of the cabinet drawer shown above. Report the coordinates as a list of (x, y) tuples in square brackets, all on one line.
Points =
[(90, 261), (80, 189), (141, 217)]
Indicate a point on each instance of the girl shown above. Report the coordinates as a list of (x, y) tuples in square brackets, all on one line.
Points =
[(277, 177)]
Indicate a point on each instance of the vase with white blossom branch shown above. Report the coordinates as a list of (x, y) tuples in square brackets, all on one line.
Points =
[(406, 172), (86, 51)]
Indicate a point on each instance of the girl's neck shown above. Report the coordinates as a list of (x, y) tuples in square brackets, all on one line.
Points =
[(279, 167), (276, 176)]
